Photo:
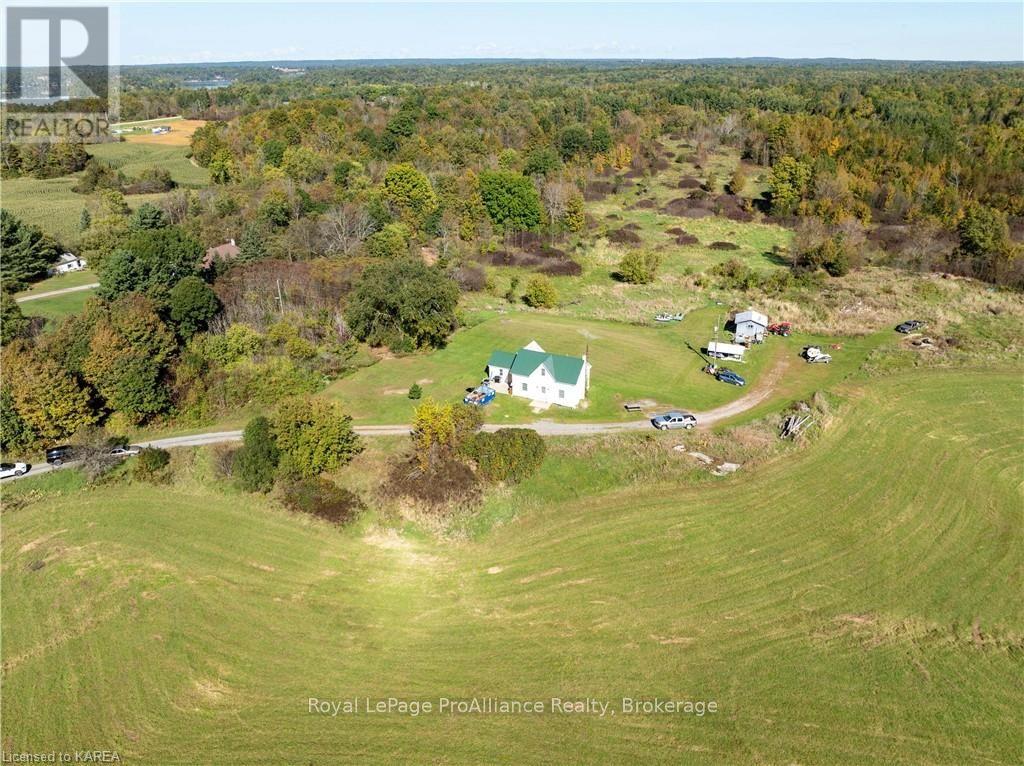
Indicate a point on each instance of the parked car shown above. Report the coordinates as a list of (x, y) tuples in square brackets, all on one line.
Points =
[(815, 355), (730, 377), (59, 455), (7, 470), (909, 326), (125, 450), (674, 419)]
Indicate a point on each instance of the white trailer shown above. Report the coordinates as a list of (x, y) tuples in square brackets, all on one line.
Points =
[(732, 351)]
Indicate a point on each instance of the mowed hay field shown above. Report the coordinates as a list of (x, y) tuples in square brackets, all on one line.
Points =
[(180, 135), (855, 603)]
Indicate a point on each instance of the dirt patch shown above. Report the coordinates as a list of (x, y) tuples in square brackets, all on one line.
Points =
[(540, 575), (31, 546), (723, 246), (624, 237), (561, 268), (495, 570)]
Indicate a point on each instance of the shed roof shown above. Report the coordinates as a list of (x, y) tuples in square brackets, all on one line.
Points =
[(752, 316)]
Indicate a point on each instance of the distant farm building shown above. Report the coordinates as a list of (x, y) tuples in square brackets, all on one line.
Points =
[(160, 130), (225, 252), (67, 262), (750, 326), (533, 373)]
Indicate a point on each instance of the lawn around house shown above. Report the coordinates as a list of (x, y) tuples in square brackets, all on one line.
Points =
[(61, 282), (630, 363), (204, 607)]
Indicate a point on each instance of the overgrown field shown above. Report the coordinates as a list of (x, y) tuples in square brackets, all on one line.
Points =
[(856, 602)]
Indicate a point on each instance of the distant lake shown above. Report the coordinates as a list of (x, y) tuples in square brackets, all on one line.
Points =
[(200, 84)]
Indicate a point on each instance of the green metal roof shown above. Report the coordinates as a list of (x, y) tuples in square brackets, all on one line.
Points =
[(501, 359), (564, 369)]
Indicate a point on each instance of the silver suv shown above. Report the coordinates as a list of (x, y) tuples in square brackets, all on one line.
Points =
[(674, 420)]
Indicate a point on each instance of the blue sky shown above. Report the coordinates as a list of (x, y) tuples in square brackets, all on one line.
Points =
[(161, 32)]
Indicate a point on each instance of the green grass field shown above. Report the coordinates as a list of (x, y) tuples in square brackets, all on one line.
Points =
[(629, 363), (856, 602), (61, 282), (56, 307)]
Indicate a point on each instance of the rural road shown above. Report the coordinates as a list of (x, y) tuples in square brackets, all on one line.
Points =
[(543, 427), (52, 293)]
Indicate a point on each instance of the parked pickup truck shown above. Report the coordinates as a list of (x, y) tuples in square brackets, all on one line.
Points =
[(480, 396)]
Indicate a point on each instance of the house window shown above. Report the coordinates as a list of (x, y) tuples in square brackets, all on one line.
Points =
[(561, 393), (542, 372), (524, 386), (543, 389)]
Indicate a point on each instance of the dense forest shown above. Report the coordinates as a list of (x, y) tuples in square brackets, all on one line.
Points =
[(349, 180)]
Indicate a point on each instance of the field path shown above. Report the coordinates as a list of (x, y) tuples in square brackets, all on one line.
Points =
[(543, 427), (52, 293)]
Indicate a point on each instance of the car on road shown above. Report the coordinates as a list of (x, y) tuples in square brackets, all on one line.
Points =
[(124, 450), (674, 419), (911, 325), (730, 377), (59, 455), (7, 470)]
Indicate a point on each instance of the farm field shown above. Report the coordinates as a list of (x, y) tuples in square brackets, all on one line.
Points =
[(156, 619), (51, 205), (181, 131), (132, 158), (629, 363)]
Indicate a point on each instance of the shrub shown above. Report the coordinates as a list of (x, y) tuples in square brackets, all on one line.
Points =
[(313, 435), (508, 454), (540, 293), (322, 498), (150, 465), (256, 462), (415, 392), (639, 268)]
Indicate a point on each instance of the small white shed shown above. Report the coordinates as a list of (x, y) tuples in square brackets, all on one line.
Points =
[(731, 351), (750, 326)]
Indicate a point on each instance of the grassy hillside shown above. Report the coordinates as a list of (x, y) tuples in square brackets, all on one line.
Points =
[(855, 603)]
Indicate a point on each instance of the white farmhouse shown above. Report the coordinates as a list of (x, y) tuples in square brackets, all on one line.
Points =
[(67, 262), (750, 326), (533, 373)]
